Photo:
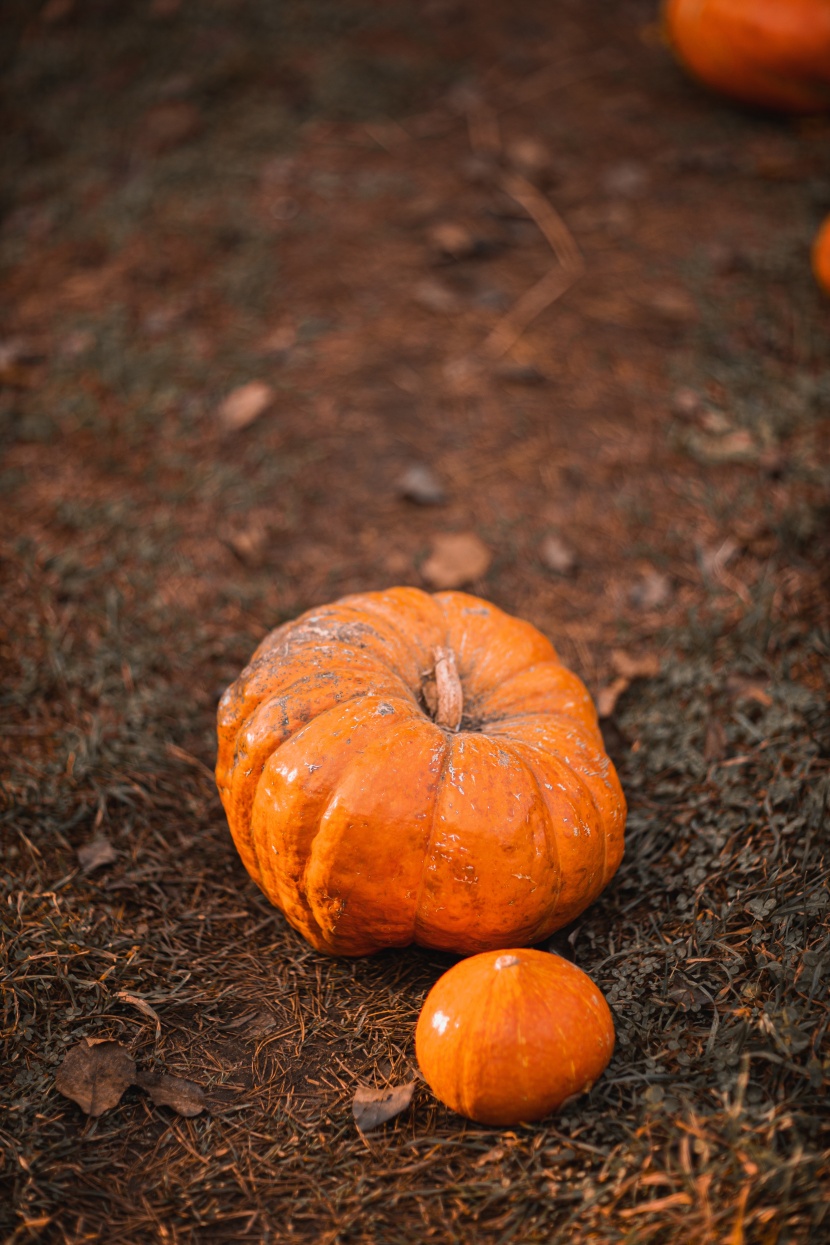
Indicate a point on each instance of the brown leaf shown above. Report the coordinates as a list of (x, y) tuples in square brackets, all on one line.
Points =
[(436, 297), (96, 853), (608, 696), (141, 1004), (456, 559), (169, 125), (245, 404), (491, 1156), (95, 1073), (713, 562), (714, 746), (184, 1097), (734, 447), (372, 1107), (628, 667), (557, 556)]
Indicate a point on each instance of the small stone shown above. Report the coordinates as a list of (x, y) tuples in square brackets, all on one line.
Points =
[(686, 402), (420, 484), (456, 559), (531, 158), (452, 241), (556, 555), (245, 404)]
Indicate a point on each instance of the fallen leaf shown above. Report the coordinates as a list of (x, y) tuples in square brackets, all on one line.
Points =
[(628, 667), (492, 1156), (608, 696), (372, 1107), (673, 305), (56, 10), (142, 1005), (451, 241), (96, 853), (713, 562), (653, 591), (714, 745), (95, 1073), (748, 689), (184, 1097), (169, 125), (455, 560), (249, 544), (420, 484), (281, 341), (245, 404), (629, 180), (733, 447), (262, 1023), (686, 997), (556, 555), (433, 296)]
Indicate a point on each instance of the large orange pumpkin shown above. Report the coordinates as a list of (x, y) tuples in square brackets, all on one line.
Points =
[(821, 256), (508, 1036), (399, 767), (773, 53)]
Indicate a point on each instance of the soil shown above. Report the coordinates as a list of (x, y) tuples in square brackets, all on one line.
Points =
[(259, 262)]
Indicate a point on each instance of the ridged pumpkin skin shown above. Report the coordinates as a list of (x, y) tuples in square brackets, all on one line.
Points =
[(821, 256), (373, 826), (772, 53), (506, 1037)]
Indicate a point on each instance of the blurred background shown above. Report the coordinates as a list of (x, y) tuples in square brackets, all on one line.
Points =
[(264, 337), (308, 298)]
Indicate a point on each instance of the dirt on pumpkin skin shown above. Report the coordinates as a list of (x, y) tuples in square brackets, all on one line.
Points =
[(345, 206)]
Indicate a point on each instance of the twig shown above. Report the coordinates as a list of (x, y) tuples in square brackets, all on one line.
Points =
[(523, 312), (550, 223)]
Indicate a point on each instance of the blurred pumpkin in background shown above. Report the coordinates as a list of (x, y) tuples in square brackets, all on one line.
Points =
[(772, 53), (821, 256)]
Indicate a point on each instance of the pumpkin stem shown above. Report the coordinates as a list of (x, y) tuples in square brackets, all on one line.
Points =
[(448, 688)]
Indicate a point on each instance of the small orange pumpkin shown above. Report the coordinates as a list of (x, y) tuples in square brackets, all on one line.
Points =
[(821, 256), (399, 767), (506, 1037), (772, 53)]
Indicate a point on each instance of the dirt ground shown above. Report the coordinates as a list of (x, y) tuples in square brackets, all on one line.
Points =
[(352, 205)]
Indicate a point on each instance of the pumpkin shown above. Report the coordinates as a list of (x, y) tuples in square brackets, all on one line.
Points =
[(821, 256), (773, 53), (505, 1037), (399, 767)]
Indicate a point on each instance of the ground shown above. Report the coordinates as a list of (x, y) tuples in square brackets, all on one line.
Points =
[(347, 204)]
